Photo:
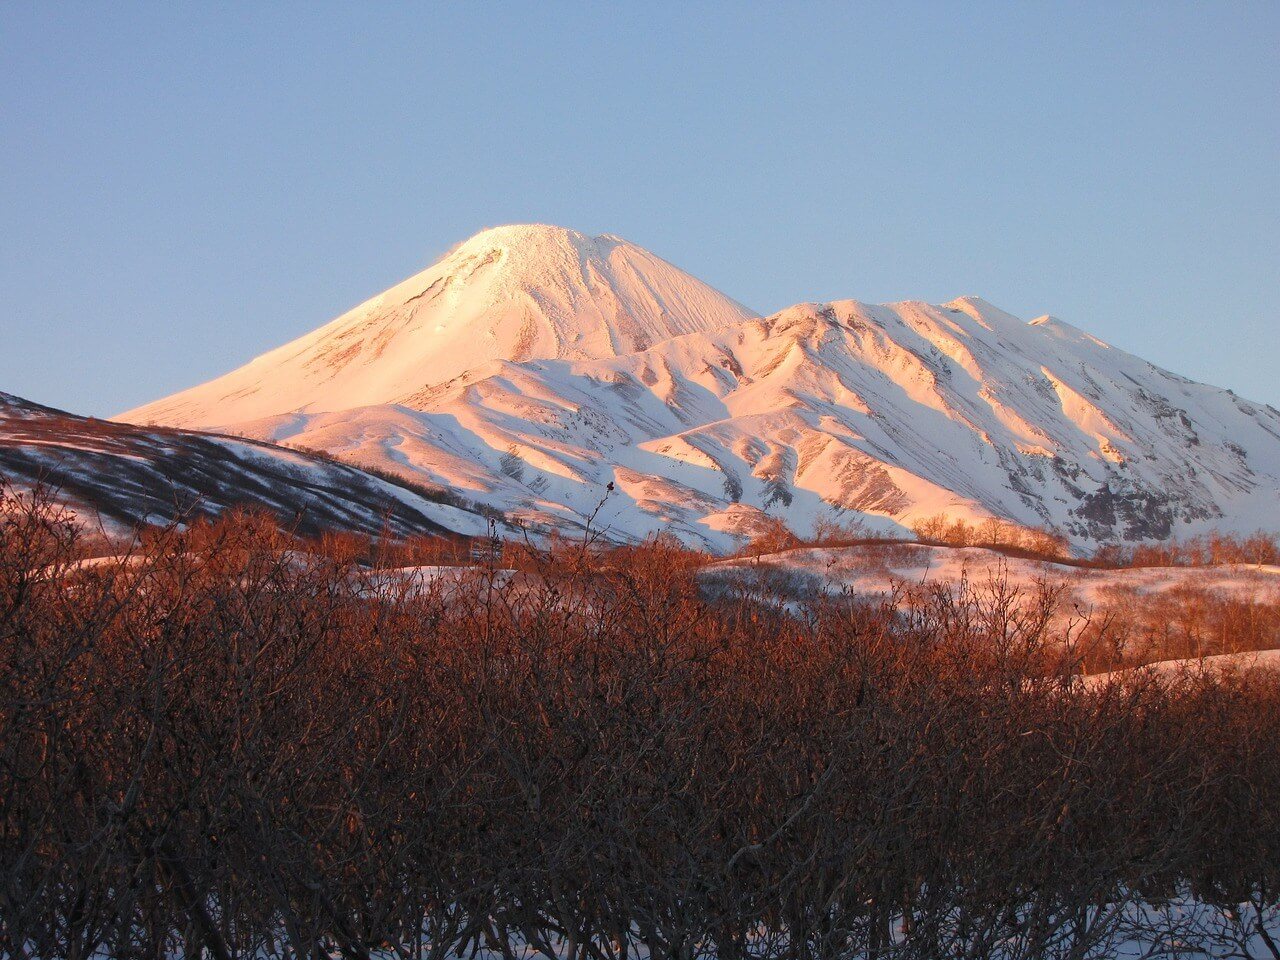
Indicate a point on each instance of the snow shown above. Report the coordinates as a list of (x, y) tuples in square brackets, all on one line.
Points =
[(533, 365), (1173, 669), (877, 570)]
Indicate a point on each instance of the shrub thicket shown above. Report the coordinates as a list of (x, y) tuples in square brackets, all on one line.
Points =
[(224, 745)]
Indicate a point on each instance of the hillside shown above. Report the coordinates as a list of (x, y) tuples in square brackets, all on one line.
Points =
[(118, 476)]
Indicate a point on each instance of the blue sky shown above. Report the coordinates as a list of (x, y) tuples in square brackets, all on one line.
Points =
[(185, 187)]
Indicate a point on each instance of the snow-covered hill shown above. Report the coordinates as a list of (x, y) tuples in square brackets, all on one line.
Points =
[(117, 476), (533, 367)]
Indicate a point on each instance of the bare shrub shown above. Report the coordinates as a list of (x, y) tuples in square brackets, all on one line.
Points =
[(994, 533), (1209, 549), (231, 744), (773, 536)]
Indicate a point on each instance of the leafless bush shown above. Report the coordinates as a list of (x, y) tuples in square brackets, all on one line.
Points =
[(828, 531), (1209, 549), (1185, 622), (994, 533)]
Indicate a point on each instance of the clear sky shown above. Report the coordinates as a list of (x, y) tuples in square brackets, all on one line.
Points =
[(185, 186)]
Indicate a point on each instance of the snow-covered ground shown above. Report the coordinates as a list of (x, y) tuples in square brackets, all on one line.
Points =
[(1170, 669), (878, 570)]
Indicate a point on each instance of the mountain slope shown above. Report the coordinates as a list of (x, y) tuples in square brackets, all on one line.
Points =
[(123, 475), (889, 413), (516, 293)]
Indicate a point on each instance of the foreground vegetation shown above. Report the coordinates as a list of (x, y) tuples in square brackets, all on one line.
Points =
[(224, 745)]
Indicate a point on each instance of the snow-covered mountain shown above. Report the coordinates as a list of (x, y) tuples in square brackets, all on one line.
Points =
[(522, 292), (118, 476), (533, 366)]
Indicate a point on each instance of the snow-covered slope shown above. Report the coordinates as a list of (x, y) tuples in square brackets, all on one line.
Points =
[(120, 475), (706, 420), (1178, 669), (520, 292), (876, 570)]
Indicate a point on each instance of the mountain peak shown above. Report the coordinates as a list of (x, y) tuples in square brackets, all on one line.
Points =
[(518, 233), (982, 311), (527, 239), (515, 292)]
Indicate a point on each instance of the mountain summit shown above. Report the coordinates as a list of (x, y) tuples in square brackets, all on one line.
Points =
[(515, 293)]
